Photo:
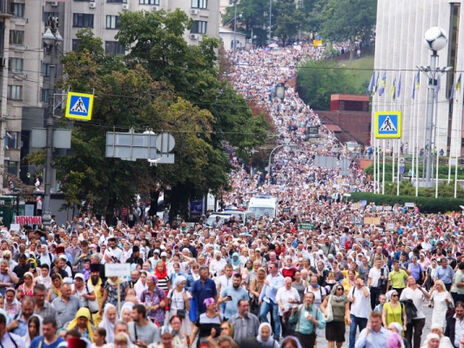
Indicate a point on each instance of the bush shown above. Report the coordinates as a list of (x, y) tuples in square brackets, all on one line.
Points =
[(425, 204)]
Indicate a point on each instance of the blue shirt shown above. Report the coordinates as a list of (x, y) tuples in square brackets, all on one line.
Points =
[(236, 294), (373, 339), (445, 274), (302, 324), (201, 291), (35, 342), (269, 292)]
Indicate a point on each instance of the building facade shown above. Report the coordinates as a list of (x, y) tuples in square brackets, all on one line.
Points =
[(399, 50), (26, 66)]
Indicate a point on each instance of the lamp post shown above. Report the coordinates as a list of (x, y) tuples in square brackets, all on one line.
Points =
[(270, 21), (51, 39), (435, 40), (235, 26), (272, 152)]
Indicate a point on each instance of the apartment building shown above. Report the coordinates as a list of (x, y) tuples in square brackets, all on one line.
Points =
[(26, 65)]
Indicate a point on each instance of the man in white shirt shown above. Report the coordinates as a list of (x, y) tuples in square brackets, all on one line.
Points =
[(360, 308), (286, 297), (376, 281), (418, 295), (225, 281), (112, 253)]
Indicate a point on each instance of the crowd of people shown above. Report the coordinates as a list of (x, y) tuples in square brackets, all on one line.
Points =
[(259, 283)]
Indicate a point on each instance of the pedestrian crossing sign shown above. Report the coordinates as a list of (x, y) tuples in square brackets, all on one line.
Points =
[(79, 106), (387, 124)]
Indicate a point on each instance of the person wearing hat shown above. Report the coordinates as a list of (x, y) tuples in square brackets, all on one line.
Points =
[(8, 339), (83, 291), (96, 283)]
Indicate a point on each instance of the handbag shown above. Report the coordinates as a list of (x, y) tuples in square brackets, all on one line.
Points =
[(92, 305), (329, 310)]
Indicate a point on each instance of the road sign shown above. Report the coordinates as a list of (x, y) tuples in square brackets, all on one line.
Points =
[(79, 106), (387, 124), (61, 138), (306, 226)]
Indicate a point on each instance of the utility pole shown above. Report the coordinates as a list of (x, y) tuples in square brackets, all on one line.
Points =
[(51, 39), (270, 20), (235, 26)]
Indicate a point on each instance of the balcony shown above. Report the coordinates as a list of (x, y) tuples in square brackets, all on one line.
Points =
[(6, 8)]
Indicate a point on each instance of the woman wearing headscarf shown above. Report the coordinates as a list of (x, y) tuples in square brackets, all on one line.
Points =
[(154, 300), (26, 288), (44, 277), (55, 290), (34, 329), (265, 338), (235, 261), (81, 323), (161, 275), (126, 312), (108, 322), (208, 323), (141, 284), (179, 300)]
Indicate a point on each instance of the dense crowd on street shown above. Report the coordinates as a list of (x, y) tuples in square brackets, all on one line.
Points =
[(261, 283)]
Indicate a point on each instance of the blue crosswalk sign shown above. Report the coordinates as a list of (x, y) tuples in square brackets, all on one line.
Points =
[(387, 124), (79, 106)]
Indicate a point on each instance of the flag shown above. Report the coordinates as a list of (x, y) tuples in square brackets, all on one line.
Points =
[(438, 86), (458, 83), (376, 86), (393, 89), (399, 88), (370, 88), (415, 84), (383, 84)]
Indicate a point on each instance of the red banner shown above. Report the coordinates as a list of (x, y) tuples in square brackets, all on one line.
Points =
[(28, 220)]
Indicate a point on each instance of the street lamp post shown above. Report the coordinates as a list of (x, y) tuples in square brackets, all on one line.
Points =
[(51, 39), (270, 21), (270, 157), (436, 40), (235, 26)]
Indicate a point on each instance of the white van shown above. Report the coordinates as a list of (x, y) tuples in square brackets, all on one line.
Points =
[(263, 205)]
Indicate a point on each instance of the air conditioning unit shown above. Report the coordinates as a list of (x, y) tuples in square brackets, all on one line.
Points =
[(92, 4), (193, 37), (194, 12), (54, 3), (125, 7)]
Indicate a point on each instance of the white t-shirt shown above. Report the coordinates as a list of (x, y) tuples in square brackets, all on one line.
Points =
[(283, 295), (375, 274), (417, 298), (224, 282), (361, 307)]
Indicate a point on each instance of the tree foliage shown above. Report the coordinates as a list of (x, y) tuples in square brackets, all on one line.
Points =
[(162, 84), (317, 80)]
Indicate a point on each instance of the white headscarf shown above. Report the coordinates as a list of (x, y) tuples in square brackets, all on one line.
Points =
[(126, 306), (107, 324), (27, 339), (139, 288), (179, 279), (270, 341)]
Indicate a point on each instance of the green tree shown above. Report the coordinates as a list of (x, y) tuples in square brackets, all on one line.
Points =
[(348, 20), (252, 19), (163, 84), (317, 80), (288, 20)]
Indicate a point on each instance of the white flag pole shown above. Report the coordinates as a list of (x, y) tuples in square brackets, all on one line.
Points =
[(456, 178), (383, 166), (436, 173)]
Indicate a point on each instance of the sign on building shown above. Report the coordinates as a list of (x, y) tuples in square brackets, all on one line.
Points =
[(387, 124), (79, 106)]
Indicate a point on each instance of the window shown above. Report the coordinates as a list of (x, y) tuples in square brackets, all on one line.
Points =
[(11, 140), (17, 9), (112, 22), (46, 70), (15, 65), (44, 95), (82, 20), (75, 44), (198, 27), (199, 3), (47, 15), (14, 92), (114, 47), (12, 167), (118, 1), (149, 2), (16, 37)]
